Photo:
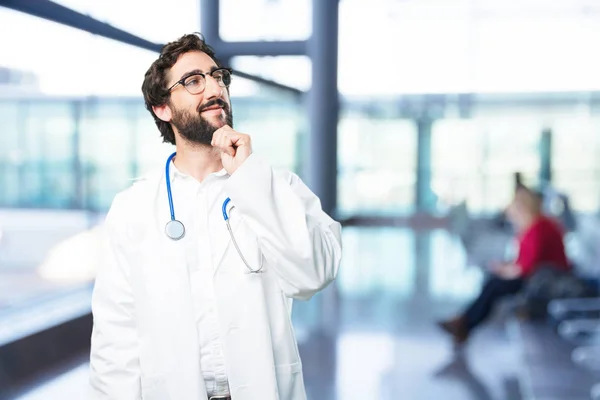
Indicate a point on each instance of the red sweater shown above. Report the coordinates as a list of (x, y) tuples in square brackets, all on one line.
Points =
[(541, 244)]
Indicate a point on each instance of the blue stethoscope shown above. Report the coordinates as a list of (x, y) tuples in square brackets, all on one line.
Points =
[(175, 230)]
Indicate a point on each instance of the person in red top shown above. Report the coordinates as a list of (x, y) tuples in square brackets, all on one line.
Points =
[(540, 244)]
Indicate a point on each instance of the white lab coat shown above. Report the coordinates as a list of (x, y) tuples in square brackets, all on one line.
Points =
[(145, 340)]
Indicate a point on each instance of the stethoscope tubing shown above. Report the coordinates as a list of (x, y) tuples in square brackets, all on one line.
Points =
[(175, 230)]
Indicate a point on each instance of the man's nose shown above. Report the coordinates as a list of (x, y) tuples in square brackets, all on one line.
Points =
[(212, 89)]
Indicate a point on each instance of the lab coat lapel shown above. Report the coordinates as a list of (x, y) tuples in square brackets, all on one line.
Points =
[(172, 270), (172, 251)]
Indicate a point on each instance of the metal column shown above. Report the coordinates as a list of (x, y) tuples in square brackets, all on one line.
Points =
[(323, 104), (320, 162), (209, 23), (79, 195), (424, 195), (546, 157)]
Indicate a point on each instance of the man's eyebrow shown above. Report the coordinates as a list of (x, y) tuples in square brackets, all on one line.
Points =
[(190, 73), (198, 71)]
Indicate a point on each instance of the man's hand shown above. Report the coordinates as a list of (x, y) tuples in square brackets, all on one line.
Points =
[(235, 147)]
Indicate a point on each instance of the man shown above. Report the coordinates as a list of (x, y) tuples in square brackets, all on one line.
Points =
[(540, 244), (179, 310)]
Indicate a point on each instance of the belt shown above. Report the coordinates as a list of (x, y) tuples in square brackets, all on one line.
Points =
[(220, 397)]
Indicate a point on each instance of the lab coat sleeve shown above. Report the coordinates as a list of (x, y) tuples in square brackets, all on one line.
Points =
[(299, 241), (114, 365)]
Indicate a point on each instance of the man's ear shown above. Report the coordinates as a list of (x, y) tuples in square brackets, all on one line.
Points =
[(163, 112)]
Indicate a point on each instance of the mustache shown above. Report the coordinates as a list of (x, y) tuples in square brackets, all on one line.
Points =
[(216, 102)]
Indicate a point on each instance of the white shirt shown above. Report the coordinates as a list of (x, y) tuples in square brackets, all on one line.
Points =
[(191, 201)]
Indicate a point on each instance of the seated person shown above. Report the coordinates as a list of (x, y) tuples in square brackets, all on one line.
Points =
[(540, 243)]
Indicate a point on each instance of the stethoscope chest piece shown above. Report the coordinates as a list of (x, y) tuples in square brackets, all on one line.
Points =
[(175, 229)]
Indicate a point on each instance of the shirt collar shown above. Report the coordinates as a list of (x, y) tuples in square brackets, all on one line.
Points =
[(176, 173)]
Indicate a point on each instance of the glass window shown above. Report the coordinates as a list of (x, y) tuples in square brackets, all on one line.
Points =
[(57, 88), (424, 35), (68, 62), (470, 46), (377, 164), (292, 71), (541, 49), (57, 140), (10, 156), (476, 159), (276, 131), (38, 153), (377, 260), (107, 149), (456, 159), (153, 20), (576, 160), (449, 275), (74, 132), (255, 20), (47, 153)]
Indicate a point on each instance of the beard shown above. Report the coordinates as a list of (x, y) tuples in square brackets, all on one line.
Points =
[(196, 129)]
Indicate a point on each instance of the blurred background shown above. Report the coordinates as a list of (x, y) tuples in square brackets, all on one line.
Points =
[(409, 119)]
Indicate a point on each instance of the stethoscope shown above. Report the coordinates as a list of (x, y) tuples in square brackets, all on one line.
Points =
[(175, 230)]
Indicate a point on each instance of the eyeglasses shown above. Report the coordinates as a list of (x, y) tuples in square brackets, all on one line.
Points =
[(196, 83)]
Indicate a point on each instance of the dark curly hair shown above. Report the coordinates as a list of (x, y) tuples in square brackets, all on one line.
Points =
[(155, 79)]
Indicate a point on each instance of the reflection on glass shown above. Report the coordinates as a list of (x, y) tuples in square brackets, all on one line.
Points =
[(78, 153), (475, 159), (377, 261), (377, 164), (292, 71), (576, 160), (449, 276), (363, 358), (47, 149)]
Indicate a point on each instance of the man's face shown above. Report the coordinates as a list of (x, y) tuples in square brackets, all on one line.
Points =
[(197, 116)]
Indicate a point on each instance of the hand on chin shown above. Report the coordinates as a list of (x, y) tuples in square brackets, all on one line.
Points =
[(235, 147)]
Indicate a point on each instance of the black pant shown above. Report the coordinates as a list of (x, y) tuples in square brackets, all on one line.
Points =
[(493, 290)]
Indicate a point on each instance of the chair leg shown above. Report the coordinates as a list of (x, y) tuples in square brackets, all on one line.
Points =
[(587, 356), (574, 327), (595, 392)]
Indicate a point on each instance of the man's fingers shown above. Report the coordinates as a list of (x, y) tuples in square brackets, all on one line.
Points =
[(229, 138), (222, 131), (224, 144), (240, 139)]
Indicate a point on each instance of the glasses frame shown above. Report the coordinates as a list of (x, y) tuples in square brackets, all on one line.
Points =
[(182, 80)]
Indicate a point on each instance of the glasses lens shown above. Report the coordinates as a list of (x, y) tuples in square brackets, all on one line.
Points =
[(222, 76), (194, 84)]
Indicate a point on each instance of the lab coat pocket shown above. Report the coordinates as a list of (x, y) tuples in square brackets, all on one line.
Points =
[(247, 252), (290, 381), (154, 388)]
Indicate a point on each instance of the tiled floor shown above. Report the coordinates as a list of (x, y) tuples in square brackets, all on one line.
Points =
[(372, 335), (69, 385)]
